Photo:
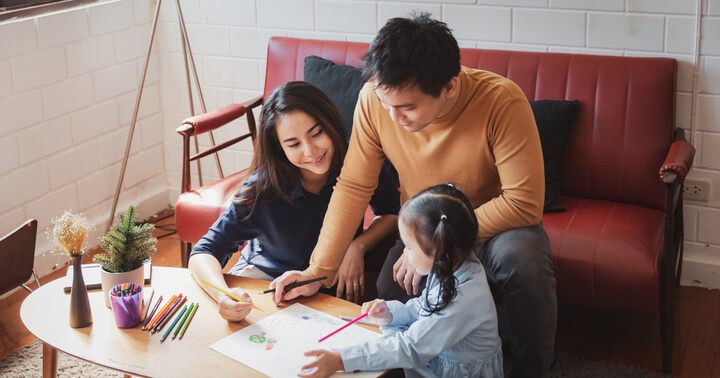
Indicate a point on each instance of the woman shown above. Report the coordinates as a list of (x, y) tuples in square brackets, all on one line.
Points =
[(299, 149)]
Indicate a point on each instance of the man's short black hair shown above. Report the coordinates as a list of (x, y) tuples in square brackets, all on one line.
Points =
[(413, 51)]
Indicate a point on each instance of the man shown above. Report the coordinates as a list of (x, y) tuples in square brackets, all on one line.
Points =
[(438, 122)]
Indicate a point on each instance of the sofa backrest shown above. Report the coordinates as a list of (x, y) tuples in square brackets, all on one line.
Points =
[(623, 128)]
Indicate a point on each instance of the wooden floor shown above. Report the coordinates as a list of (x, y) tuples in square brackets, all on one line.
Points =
[(617, 339)]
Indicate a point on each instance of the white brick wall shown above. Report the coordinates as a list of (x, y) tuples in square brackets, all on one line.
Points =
[(68, 83)]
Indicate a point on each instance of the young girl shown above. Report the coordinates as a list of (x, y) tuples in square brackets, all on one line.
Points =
[(299, 149), (451, 330)]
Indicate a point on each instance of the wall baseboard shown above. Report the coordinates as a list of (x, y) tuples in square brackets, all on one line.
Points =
[(700, 266)]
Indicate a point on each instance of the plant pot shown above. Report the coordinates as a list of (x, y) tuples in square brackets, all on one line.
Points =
[(80, 314), (110, 280)]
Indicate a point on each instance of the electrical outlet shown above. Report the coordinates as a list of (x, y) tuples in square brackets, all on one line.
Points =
[(696, 190)]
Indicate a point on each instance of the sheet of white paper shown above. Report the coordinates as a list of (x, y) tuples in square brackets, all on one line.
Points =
[(275, 345)]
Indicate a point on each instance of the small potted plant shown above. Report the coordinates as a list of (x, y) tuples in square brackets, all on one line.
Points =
[(69, 234), (127, 245)]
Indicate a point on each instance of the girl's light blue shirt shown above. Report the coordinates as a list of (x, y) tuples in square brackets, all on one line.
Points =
[(461, 341)]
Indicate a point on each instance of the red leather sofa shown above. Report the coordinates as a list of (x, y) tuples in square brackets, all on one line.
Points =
[(619, 244)]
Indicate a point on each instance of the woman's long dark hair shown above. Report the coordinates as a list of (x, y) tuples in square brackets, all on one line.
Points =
[(276, 175), (443, 222)]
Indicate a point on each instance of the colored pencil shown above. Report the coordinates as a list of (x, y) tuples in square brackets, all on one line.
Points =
[(295, 284), (229, 294), (188, 321), (177, 318), (182, 322), (145, 308), (343, 327), (169, 315), (162, 312), (147, 319), (364, 321)]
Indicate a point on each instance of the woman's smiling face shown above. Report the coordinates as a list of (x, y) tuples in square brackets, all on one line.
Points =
[(306, 145)]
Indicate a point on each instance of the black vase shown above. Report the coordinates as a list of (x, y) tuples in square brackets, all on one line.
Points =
[(80, 314)]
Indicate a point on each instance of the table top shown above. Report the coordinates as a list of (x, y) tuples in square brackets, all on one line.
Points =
[(45, 313)]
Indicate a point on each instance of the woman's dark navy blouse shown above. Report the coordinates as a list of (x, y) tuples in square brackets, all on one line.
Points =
[(282, 235)]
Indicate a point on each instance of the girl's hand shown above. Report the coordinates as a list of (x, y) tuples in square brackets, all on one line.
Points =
[(350, 278), (233, 311), (325, 365), (405, 275), (378, 311)]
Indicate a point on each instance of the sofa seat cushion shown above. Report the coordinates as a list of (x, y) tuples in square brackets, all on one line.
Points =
[(204, 205), (605, 254)]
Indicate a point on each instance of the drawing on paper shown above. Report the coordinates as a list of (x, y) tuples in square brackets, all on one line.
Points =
[(275, 345)]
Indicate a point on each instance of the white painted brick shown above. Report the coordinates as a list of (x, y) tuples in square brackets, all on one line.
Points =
[(690, 222), (110, 17), (5, 80), (190, 10), (68, 96), (549, 27), (478, 23), (709, 155), (605, 5), (346, 16), (89, 55), (209, 40), (98, 186), (681, 35), (23, 41), (46, 139), (713, 7), (151, 129), (73, 164), (250, 43), (144, 166), (216, 73), (216, 98), (149, 104), (21, 111), (111, 147), (708, 113), (683, 111), (708, 222), (21, 186), (309, 34), (710, 75), (60, 28), (173, 157), (115, 80), (243, 159), (96, 120), (521, 3), (167, 38), (133, 43), (387, 11), (171, 122), (286, 14), (710, 41), (175, 98), (172, 68), (38, 70), (9, 154), (630, 32), (143, 11), (662, 6), (153, 71), (228, 12), (12, 220), (53, 205)]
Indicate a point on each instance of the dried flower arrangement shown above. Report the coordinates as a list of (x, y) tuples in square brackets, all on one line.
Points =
[(70, 231)]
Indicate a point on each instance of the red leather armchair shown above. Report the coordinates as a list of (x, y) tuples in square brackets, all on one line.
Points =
[(619, 244)]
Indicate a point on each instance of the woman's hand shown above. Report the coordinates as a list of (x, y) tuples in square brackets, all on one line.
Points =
[(325, 365), (233, 311), (350, 278), (378, 311), (289, 277), (405, 275)]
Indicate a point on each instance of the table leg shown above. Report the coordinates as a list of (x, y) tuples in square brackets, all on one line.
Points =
[(50, 359)]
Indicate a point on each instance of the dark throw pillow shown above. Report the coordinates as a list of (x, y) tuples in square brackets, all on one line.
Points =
[(340, 82), (554, 120)]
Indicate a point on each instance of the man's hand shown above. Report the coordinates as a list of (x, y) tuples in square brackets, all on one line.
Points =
[(233, 311), (405, 275), (325, 365), (378, 311), (350, 278), (289, 277)]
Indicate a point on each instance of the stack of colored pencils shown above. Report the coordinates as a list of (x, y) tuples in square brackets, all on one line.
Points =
[(156, 320)]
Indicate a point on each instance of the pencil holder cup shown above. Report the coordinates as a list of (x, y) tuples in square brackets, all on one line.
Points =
[(126, 306)]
